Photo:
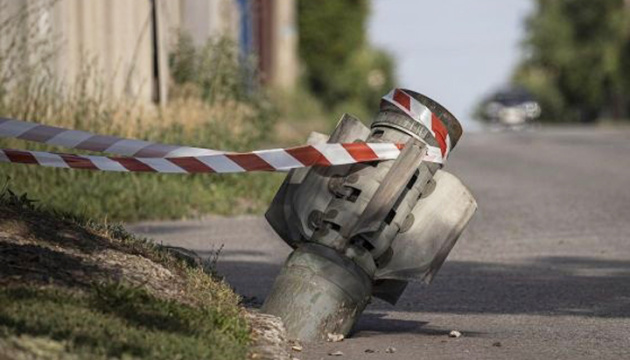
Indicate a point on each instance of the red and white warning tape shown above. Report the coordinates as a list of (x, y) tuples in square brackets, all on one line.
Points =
[(82, 140), (265, 160), (144, 156), (417, 111)]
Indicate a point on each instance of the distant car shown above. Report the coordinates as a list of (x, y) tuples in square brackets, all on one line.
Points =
[(512, 107)]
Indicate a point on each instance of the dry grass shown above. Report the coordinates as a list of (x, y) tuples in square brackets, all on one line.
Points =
[(223, 117), (226, 125)]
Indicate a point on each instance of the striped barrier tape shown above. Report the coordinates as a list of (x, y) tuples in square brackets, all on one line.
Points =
[(144, 156), (82, 140), (264, 160), (422, 114), (153, 157)]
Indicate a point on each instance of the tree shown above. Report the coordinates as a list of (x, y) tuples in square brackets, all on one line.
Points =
[(340, 66), (578, 59)]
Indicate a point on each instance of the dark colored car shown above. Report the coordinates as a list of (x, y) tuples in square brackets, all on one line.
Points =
[(512, 106)]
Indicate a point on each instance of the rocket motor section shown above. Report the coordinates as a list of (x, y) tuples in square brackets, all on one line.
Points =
[(366, 229)]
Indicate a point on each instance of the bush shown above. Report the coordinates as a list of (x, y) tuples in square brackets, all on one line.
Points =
[(216, 70)]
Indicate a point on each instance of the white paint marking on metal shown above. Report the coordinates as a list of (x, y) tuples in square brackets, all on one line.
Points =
[(434, 154)]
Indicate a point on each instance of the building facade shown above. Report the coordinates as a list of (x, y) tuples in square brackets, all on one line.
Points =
[(129, 41)]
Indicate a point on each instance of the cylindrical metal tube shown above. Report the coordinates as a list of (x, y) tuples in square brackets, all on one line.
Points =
[(318, 292)]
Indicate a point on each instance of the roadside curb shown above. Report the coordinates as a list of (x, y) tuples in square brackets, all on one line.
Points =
[(269, 339)]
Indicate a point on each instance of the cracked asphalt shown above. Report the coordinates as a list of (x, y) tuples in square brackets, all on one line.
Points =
[(542, 272)]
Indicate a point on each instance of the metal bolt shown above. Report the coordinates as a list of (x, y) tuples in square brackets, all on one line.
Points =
[(428, 190), (331, 214), (315, 219), (352, 179), (407, 224)]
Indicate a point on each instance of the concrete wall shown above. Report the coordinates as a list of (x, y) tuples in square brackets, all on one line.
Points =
[(116, 36), (203, 19), (110, 39), (284, 60), (128, 44)]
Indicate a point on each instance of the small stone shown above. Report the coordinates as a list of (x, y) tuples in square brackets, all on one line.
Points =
[(497, 344), (336, 353), (297, 347), (370, 351), (390, 350), (335, 337), (455, 334)]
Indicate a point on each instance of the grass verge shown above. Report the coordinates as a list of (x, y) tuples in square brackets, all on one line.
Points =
[(72, 288), (131, 197), (210, 106)]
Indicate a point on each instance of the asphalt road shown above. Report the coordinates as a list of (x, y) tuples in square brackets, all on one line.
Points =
[(542, 272)]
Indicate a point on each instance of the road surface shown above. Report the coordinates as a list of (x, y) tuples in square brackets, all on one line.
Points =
[(542, 272)]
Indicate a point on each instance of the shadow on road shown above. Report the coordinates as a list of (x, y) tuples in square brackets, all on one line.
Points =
[(545, 286), (373, 323), (551, 286)]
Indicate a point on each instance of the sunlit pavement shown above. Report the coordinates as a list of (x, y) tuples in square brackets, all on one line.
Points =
[(542, 272)]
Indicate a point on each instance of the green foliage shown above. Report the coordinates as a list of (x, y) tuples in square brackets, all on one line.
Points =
[(367, 78), (211, 107), (578, 59), (133, 197), (115, 321), (215, 70), (330, 32), (341, 68)]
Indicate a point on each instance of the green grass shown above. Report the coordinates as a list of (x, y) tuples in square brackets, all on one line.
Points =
[(120, 321), (49, 310), (209, 106), (133, 197)]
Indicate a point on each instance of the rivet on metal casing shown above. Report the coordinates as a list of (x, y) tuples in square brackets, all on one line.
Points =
[(352, 178), (428, 190), (315, 219), (331, 214), (407, 224)]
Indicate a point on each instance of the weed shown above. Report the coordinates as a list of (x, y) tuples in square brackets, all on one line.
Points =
[(210, 263)]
